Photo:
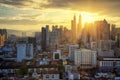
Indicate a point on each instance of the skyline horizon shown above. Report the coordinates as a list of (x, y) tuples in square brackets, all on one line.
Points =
[(50, 25)]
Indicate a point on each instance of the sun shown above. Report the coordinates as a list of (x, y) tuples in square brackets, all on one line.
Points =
[(87, 17)]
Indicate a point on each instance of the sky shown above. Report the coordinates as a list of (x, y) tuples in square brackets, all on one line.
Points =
[(34, 14)]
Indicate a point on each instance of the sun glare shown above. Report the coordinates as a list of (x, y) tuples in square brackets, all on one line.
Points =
[(88, 17)]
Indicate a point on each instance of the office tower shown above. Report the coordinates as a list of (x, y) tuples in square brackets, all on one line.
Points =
[(24, 51), (118, 40), (38, 37), (3, 36), (73, 28), (71, 51), (79, 27), (113, 32), (102, 31), (32, 40), (54, 38), (45, 38), (43, 41)]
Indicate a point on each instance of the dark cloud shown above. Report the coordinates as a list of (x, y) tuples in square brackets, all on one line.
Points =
[(110, 7), (101, 6), (16, 3), (71, 4)]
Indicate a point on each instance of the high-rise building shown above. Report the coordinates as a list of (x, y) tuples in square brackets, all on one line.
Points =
[(43, 41), (102, 30), (24, 51), (32, 40), (73, 28), (45, 38), (72, 50), (79, 27), (38, 37), (55, 37), (3, 36)]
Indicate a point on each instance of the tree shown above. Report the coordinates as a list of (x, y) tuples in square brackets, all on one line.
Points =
[(22, 71)]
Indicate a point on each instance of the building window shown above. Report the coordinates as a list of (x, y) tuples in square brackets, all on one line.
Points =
[(47, 76), (52, 76)]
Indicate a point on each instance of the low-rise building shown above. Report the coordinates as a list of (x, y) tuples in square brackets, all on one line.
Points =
[(51, 75), (85, 58), (109, 64)]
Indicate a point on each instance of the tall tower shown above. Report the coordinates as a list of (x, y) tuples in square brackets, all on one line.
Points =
[(73, 29), (79, 27), (43, 41)]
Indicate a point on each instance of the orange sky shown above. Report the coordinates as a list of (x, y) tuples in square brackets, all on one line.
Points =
[(33, 14)]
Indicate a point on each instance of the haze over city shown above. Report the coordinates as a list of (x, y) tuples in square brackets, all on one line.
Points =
[(33, 14), (59, 40)]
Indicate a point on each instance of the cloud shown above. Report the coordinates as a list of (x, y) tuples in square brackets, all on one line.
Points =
[(25, 21), (16, 3), (18, 22), (96, 6), (109, 8)]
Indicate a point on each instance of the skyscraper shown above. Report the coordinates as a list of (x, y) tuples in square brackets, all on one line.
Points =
[(73, 28), (79, 27), (3, 36), (45, 38), (43, 41)]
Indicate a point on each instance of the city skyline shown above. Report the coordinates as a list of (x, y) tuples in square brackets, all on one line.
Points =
[(33, 14)]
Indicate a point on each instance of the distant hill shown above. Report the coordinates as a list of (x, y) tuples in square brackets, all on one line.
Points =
[(20, 32)]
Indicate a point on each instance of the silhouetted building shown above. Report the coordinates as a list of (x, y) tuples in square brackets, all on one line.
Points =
[(79, 27), (3, 36), (73, 28), (38, 37), (45, 38), (43, 41), (32, 40)]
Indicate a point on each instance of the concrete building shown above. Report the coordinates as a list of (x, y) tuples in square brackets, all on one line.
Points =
[(38, 37), (85, 58), (73, 28), (54, 39), (104, 49), (71, 51), (3, 36), (45, 38), (57, 55), (24, 51), (51, 75), (2, 40), (109, 64), (79, 27)]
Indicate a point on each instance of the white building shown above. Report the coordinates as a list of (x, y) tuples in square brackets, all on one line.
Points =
[(71, 51), (109, 64), (51, 75), (24, 51), (85, 58), (57, 55)]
